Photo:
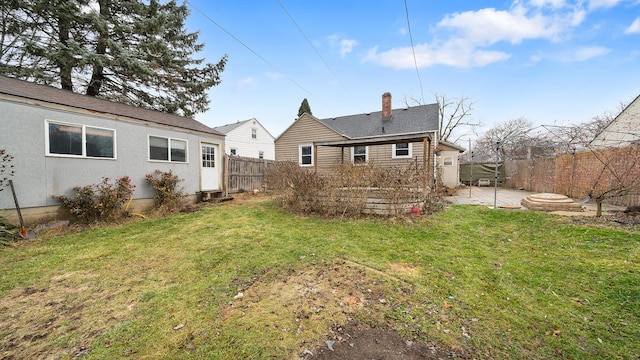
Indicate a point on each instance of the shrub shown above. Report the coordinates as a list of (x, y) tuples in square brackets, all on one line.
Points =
[(345, 190), (167, 195), (99, 202)]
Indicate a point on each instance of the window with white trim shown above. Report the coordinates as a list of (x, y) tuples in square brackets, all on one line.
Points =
[(66, 139), (260, 154), (167, 149), (254, 133), (305, 155), (447, 161), (359, 154), (234, 151), (401, 151)]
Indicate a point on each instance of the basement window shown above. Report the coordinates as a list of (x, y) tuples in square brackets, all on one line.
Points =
[(74, 140)]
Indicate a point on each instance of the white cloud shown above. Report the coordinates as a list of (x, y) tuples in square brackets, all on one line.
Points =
[(597, 4), (243, 83), (346, 46), (584, 53), (550, 3), (489, 26), (449, 54), (634, 28), (465, 39)]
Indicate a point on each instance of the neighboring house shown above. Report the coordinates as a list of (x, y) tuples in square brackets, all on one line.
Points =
[(623, 130), (447, 160), (61, 140), (387, 137), (248, 138)]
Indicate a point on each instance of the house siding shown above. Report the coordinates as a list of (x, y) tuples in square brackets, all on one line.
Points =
[(305, 131), (38, 177), (241, 140)]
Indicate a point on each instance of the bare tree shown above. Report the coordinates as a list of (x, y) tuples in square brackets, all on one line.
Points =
[(455, 113), (615, 174), (511, 139)]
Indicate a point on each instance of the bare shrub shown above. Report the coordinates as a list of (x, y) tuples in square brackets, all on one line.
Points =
[(99, 202), (350, 190), (167, 195)]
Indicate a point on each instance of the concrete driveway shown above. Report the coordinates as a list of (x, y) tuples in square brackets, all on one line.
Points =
[(507, 198)]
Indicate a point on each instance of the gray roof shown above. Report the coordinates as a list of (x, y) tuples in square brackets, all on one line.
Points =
[(225, 129), (53, 95), (417, 119)]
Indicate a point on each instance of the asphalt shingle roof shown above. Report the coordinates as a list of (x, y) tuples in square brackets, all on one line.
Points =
[(229, 127), (53, 95), (417, 119)]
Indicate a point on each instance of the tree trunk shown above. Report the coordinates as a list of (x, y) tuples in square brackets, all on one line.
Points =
[(598, 208), (64, 62), (97, 75)]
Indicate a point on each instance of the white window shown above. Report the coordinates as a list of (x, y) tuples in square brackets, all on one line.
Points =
[(261, 154), (65, 139), (305, 155), (167, 149), (448, 161), (401, 150), (254, 133), (359, 154), (234, 151)]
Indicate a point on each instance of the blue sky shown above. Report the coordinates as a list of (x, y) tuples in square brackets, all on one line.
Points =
[(550, 61)]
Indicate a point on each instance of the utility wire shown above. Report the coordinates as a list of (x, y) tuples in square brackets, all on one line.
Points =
[(415, 61), (318, 53), (245, 45)]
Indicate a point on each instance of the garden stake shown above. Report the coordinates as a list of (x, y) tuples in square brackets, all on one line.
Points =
[(23, 232)]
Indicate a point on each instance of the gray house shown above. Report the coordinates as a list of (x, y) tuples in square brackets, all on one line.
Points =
[(61, 140)]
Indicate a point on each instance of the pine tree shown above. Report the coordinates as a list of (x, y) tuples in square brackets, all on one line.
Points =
[(132, 51), (304, 108)]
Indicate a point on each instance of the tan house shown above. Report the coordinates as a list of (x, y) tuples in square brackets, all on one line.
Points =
[(387, 137)]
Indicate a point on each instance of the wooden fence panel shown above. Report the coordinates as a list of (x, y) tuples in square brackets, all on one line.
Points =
[(244, 174), (578, 175)]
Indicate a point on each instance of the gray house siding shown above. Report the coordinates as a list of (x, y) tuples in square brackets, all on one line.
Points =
[(38, 176)]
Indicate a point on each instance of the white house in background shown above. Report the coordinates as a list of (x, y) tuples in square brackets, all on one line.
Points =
[(248, 138), (623, 130)]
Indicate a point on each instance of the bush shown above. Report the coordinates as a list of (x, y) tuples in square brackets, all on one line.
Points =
[(167, 195), (344, 191), (99, 202)]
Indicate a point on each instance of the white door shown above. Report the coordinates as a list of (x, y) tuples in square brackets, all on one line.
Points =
[(209, 172)]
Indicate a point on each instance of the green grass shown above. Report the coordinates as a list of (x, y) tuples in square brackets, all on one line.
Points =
[(521, 284)]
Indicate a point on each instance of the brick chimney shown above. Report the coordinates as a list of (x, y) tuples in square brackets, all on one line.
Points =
[(386, 106)]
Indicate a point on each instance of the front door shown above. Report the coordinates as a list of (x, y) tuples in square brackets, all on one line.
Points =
[(209, 174)]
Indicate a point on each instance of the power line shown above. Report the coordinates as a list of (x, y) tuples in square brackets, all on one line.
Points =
[(245, 45), (415, 61), (318, 53)]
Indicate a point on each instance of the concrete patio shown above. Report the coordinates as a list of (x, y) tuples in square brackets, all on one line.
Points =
[(508, 198)]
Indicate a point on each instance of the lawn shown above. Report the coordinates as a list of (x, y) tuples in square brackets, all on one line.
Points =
[(245, 280)]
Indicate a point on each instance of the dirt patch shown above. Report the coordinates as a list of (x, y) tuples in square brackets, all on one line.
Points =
[(337, 309), (360, 342)]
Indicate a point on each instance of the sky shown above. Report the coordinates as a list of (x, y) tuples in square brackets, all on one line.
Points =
[(553, 62)]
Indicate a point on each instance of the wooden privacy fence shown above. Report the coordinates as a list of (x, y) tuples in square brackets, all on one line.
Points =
[(581, 174), (244, 174)]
